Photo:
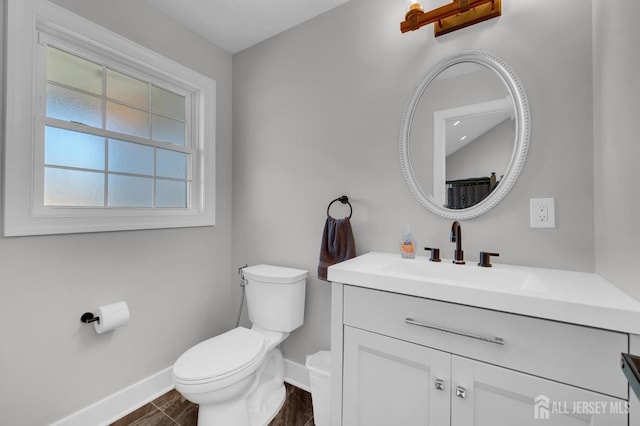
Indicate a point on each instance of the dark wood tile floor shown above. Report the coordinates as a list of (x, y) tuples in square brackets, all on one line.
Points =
[(172, 409)]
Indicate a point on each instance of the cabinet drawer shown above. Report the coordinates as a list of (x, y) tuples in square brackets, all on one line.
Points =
[(572, 354)]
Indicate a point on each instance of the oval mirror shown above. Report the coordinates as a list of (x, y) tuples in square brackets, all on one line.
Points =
[(464, 135)]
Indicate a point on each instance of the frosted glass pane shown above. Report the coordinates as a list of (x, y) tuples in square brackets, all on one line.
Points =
[(127, 120), (73, 149), (167, 130), (73, 71), (130, 191), (73, 188), (171, 164), (126, 157), (171, 193), (69, 105), (127, 89), (167, 103)]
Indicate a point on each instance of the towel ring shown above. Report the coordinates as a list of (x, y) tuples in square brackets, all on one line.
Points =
[(344, 200)]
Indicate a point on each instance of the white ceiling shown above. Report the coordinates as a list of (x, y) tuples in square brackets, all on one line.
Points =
[(471, 127), (235, 25)]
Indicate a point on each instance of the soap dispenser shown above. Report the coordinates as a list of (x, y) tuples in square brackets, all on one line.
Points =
[(408, 245)]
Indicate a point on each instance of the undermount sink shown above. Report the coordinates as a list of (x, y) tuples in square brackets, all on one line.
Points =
[(467, 275), (569, 296)]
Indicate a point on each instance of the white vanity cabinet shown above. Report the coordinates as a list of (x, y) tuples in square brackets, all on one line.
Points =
[(405, 360), (496, 396), (386, 381)]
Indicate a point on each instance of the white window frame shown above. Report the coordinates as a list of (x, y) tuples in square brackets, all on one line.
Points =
[(24, 209)]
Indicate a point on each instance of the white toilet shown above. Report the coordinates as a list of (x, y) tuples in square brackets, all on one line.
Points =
[(237, 378)]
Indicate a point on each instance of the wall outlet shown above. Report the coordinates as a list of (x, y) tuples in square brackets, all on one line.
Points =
[(542, 213)]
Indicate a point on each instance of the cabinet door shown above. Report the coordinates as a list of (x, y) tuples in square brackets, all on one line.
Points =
[(392, 382), (486, 395)]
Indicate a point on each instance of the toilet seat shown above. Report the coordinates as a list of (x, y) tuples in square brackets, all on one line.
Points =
[(220, 357)]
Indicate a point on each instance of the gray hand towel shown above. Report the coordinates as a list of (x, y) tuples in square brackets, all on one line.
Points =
[(337, 244)]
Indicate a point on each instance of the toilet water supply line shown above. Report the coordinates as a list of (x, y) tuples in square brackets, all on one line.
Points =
[(243, 283)]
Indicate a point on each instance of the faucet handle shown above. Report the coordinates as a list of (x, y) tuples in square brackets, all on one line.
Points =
[(485, 259), (435, 254)]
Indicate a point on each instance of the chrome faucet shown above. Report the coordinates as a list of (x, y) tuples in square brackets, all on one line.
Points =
[(456, 237)]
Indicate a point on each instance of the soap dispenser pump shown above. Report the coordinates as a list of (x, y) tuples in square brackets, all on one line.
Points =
[(408, 245)]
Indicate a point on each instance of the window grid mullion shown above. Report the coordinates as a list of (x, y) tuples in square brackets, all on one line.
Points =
[(149, 100), (106, 172), (153, 185), (106, 140), (155, 150)]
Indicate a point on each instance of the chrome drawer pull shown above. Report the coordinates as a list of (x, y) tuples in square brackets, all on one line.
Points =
[(496, 340), (439, 384), (461, 392)]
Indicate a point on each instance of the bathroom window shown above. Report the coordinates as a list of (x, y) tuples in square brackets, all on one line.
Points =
[(112, 139), (120, 137)]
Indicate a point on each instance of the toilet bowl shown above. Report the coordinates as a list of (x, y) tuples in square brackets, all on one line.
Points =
[(237, 378)]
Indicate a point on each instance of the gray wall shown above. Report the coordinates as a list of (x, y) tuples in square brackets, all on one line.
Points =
[(175, 281), (317, 113), (616, 141)]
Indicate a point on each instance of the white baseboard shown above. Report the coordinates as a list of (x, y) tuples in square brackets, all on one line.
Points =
[(121, 403), (297, 375)]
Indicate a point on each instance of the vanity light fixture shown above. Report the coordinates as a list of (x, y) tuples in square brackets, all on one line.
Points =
[(450, 17)]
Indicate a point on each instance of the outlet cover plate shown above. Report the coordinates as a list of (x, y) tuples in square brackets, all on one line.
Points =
[(542, 213)]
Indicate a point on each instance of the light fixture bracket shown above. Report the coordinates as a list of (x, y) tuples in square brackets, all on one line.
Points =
[(451, 17)]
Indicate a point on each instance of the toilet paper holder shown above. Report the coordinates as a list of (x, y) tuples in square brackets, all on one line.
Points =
[(88, 318), (107, 317)]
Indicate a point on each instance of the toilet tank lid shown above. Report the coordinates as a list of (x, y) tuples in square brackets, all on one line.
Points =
[(274, 274)]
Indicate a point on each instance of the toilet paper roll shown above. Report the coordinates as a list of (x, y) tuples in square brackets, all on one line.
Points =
[(111, 316)]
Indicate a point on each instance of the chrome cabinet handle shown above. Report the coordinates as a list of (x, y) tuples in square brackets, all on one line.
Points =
[(461, 392), (439, 384), (495, 340)]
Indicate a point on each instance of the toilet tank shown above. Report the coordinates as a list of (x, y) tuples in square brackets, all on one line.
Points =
[(275, 296)]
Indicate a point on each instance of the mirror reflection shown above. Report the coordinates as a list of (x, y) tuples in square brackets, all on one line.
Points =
[(463, 135)]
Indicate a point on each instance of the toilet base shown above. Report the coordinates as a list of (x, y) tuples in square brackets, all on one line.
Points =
[(233, 412), (258, 406), (263, 415), (265, 401), (237, 413)]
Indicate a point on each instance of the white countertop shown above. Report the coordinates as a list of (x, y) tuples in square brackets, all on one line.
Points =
[(573, 297)]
